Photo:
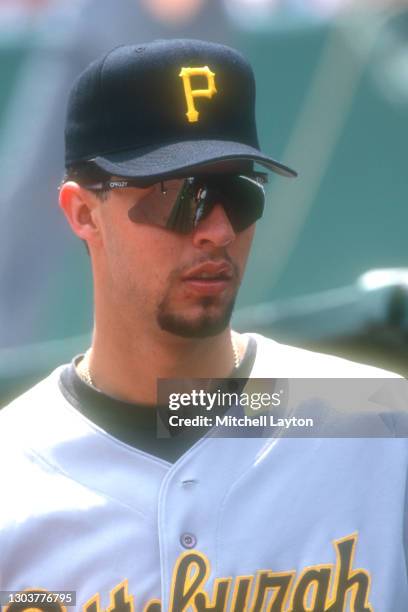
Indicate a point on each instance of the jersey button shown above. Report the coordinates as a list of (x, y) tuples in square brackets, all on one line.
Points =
[(188, 540)]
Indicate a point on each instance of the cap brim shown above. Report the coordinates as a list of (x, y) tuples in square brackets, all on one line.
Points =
[(183, 157)]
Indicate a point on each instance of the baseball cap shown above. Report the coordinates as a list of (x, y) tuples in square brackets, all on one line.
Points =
[(163, 109)]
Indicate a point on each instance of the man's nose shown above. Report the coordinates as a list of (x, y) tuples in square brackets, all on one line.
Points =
[(215, 230)]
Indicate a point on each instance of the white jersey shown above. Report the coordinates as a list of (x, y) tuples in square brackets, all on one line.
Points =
[(237, 524)]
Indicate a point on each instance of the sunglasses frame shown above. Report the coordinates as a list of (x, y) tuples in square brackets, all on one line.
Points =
[(184, 223), (122, 183)]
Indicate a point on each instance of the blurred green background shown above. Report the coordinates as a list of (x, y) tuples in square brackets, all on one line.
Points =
[(332, 102)]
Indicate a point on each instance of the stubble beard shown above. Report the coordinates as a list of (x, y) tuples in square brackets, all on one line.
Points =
[(206, 324)]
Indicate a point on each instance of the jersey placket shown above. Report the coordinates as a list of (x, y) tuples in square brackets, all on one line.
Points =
[(190, 501)]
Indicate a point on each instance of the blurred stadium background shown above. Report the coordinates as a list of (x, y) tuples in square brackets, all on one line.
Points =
[(329, 269)]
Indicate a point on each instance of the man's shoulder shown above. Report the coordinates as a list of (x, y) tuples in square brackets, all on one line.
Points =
[(274, 359), (26, 408)]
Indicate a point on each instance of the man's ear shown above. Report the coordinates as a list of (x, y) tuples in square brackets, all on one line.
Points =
[(80, 208)]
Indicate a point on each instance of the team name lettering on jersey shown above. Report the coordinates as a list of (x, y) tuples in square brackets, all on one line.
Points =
[(318, 588)]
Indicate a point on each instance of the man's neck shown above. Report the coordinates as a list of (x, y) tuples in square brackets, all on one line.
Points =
[(129, 370)]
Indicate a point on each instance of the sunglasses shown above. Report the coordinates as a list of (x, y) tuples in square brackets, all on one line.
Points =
[(180, 204)]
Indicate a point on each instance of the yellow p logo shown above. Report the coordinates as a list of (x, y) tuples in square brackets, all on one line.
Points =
[(186, 74)]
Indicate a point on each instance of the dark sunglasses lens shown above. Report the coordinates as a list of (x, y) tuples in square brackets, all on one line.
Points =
[(244, 201), (189, 208), (156, 205), (179, 205)]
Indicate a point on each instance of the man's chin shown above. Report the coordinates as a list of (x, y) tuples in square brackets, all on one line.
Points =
[(204, 325)]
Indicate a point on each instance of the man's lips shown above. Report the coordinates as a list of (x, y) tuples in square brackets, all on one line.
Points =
[(209, 271), (209, 279)]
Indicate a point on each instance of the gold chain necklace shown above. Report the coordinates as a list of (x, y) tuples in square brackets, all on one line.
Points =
[(85, 374), (235, 350), (83, 368)]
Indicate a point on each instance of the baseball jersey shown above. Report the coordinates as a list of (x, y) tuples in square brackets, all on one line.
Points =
[(237, 524), (136, 424)]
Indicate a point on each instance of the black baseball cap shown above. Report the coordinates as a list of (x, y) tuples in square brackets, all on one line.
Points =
[(164, 108)]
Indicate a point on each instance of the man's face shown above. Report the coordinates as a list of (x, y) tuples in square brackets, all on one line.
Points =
[(184, 284)]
